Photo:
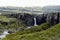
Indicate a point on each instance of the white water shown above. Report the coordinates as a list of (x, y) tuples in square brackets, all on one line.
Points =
[(35, 22), (4, 34)]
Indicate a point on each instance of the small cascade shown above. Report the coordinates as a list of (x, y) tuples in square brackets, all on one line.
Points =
[(4, 34), (35, 21)]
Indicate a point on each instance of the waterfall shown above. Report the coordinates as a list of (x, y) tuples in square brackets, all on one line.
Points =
[(35, 21)]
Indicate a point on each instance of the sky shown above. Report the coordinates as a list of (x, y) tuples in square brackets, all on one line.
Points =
[(29, 3)]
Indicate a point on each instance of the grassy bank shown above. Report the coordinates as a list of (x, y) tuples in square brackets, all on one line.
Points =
[(52, 33)]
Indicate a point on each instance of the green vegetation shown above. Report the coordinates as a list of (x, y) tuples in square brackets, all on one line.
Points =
[(52, 33), (6, 19), (41, 27), (41, 32), (26, 32), (6, 22)]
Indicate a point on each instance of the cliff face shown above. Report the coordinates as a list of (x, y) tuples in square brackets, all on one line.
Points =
[(28, 19), (53, 18)]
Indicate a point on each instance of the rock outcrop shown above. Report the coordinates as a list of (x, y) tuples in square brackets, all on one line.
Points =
[(28, 19)]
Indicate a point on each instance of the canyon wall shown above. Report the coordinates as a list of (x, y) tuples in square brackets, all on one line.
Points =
[(52, 18)]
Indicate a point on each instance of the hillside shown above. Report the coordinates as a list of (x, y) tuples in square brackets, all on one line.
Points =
[(52, 33)]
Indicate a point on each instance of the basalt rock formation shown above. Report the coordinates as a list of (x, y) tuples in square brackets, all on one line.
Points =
[(28, 19)]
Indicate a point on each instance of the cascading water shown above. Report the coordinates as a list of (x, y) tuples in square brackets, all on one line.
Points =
[(35, 21), (4, 34)]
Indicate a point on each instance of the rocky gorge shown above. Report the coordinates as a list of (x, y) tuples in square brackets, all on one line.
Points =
[(27, 20)]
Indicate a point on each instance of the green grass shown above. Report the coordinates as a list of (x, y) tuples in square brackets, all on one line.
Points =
[(12, 22), (6, 19), (52, 33), (39, 28)]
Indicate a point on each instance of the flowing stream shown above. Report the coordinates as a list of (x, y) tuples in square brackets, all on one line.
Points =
[(3, 35)]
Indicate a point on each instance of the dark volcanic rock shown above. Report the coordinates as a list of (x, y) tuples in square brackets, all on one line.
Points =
[(41, 19), (52, 18), (28, 20)]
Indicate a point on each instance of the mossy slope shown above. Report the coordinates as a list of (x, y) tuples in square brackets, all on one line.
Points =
[(52, 33)]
